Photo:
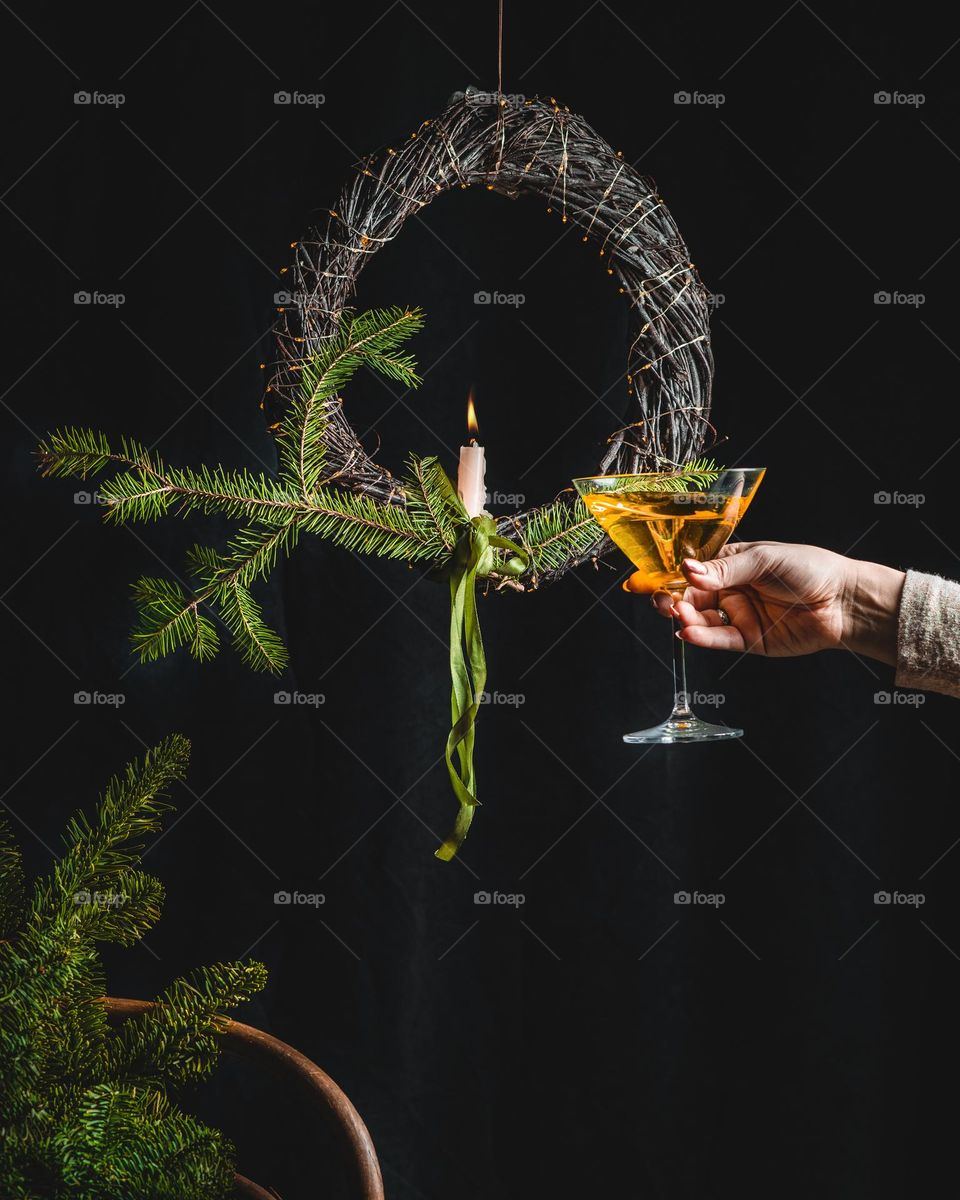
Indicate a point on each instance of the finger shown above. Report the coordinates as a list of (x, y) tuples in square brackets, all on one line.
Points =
[(689, 615), (701, 598), (728, 570), (720, 637), (663, 603)]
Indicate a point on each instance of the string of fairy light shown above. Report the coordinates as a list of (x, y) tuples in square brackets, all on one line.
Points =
[(516, 146)]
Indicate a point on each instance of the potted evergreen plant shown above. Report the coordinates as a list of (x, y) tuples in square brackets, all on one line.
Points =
[(90, 1087)]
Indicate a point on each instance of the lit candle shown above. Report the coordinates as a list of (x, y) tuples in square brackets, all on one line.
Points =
[(471, 481)]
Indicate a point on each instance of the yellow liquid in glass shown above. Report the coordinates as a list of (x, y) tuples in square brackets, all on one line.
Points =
[(658, 530)]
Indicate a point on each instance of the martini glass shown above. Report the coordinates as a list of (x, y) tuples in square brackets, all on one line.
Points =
[(657, 529)]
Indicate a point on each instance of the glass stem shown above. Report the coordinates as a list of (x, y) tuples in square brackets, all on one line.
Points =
[(681, 697)]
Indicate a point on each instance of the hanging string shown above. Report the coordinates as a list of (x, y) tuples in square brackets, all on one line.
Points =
[(500, 51)]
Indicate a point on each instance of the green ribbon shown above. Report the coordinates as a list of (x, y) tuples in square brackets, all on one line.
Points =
[(473, 558)]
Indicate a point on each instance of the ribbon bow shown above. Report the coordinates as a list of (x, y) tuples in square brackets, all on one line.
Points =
[(473, 558)]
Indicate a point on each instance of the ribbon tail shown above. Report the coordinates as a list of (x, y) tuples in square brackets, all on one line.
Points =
[(468, 674)]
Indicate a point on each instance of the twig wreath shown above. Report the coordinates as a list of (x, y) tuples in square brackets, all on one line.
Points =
[(327, 484)]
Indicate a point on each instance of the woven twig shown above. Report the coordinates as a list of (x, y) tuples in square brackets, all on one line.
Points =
[(517, 147)]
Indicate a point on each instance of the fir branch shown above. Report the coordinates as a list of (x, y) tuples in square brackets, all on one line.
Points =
[(167, 618), (86, 1111), (370, 339), (434, 504), (258, 645), (358, 523), (693, 476), (100, 852), (174, 1042), (557, 533), (12, 894)]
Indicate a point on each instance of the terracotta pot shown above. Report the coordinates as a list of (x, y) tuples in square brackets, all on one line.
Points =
[(314, 1085)]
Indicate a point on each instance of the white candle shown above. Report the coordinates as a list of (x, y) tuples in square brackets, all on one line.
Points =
[(471, 477)]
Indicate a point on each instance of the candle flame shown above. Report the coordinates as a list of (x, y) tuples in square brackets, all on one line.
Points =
[(472, 425)]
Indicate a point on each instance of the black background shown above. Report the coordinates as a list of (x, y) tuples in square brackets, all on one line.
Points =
[(600, 1040)]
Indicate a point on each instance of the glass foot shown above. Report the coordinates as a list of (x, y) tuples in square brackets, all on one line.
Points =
[(686, 728)]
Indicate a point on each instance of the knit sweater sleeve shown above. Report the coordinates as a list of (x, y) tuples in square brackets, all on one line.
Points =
[(928, 634)]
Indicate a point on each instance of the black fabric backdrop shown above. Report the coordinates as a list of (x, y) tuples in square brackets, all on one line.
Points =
[(600, 1039)]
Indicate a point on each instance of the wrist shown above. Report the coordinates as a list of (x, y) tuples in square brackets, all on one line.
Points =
[(871, 607)]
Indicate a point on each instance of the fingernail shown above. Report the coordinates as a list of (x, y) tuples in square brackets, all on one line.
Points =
[(694, 566), (674, 611)]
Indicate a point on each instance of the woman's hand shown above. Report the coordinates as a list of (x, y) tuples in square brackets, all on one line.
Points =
[(783, 599)]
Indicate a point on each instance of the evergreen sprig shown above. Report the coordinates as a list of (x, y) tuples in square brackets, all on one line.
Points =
[(88, 1112), (693, 476), (274, 511)]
